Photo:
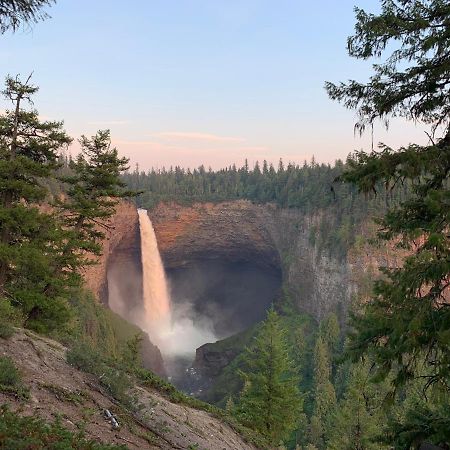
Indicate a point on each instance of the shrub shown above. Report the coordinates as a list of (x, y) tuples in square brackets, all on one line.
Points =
[(9, 375), (84, 357), (28, 432), (9, 316), (10, 379), (110, 372), (6, 330)]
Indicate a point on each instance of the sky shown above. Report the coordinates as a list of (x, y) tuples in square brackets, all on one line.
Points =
[(191, 82)]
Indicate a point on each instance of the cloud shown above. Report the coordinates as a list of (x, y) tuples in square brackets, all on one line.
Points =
[(192, 136)]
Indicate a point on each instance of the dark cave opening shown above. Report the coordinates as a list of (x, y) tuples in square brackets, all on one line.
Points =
[(229, 295)]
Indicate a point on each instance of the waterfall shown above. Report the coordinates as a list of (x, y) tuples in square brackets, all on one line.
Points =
[(176, 332), (156, 319)]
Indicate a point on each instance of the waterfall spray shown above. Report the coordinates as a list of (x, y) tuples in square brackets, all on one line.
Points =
[(156, 301)]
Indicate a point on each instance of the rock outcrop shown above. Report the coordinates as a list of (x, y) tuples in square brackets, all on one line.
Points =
[(230, 231), (122, 239), (58, 391)]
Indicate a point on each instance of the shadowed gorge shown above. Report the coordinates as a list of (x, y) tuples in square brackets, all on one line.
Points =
[(230, 295), (221, 262)]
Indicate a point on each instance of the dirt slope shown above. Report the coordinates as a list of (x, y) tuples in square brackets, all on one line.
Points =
[(57, 389)]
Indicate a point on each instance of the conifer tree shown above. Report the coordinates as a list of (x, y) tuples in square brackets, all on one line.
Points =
[(30, 239), (324, 394), (94, 190), (406, 327), (270, 402), (359, 419), (14, 13), (409, 317)]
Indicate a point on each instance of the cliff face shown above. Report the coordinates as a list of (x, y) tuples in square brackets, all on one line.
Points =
[(122, 238), (227, 261), (268, 237), (220, 260), (230, 231), (282, 241)]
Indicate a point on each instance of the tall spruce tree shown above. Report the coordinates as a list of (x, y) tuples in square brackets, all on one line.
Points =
[(93, 191), (324, 394), (406, 327), (358, 422), (30, 239), (270, 402)]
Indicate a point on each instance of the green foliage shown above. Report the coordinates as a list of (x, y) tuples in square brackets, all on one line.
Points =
[(9, 375), (330, 332), (324, 394), (6, 330), (42, 252), (84, 357), (10, 379), (30, 239), (111, 373), (359, 420), (93, 190), (408, 318), (104, 344), (415, 414), (405, 328), (8, 318), (270, 400), (29, 432), (413, 80), (14, 13)]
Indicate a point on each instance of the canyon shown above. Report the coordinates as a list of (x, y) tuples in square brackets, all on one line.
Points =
[(227, 262)]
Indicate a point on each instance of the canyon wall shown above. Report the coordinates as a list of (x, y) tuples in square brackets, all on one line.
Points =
[(319, 279), (221, 262), (264, 235), (122, 238)]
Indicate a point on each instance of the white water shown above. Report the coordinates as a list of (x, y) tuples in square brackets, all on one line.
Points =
[(176, 333), (157, 314)]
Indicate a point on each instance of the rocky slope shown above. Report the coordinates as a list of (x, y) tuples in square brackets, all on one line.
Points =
[(57, 390)]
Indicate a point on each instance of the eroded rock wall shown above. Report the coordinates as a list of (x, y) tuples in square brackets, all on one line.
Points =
[(268, 236), (123, 235)]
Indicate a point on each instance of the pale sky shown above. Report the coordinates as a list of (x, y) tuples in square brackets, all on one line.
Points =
[(192, 82)]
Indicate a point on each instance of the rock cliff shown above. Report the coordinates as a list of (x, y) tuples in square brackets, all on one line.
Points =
[(272, 241), (278, 240), (122, 239), (220, 259)]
